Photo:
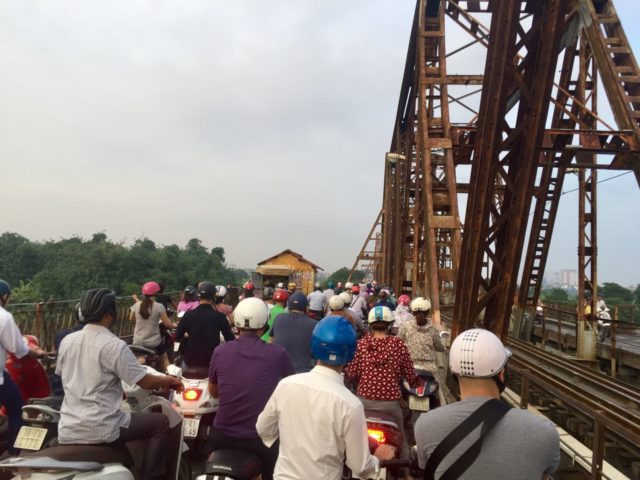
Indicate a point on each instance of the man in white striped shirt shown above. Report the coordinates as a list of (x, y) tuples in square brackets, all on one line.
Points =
[(93, 362)]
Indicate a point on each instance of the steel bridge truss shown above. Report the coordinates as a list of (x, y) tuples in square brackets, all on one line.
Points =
[(536, 120)]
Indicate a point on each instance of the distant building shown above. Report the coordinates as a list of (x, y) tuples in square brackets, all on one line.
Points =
[(568, 278), (287, 266)]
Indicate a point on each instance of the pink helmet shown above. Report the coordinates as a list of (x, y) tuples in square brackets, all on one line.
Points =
[(150, 288), (404, 300)]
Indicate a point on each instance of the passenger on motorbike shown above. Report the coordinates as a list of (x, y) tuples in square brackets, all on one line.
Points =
[(147, 314), (220, 306), (243, 375), (93, 362), (402, 313), (338, 308), (189, 300), (202, 327), (381, 363), (422, 337), (11, 341), (320, 423), (280, 299)]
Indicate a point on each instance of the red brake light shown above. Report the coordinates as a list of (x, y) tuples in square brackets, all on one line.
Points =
[(377, 435), (192, 394)]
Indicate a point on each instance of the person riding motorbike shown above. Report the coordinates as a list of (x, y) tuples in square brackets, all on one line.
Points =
[(337, 307), (189, 300), (247, 291), (93, 363), (402, 313), (220, 306), (280, 299), (11, 341), (202, 327), (317, 302), (243, 375), (381, 363), (147, 314), (421, 337), (320, 423)]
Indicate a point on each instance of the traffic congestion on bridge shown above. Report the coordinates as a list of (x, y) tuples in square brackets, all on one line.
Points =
[(442, 353)]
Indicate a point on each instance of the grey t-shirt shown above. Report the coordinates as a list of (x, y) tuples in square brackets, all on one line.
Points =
[(293, 332), (521, 446), (147, 330)]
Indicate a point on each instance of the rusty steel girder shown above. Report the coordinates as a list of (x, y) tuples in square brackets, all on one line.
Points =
[(531, 127)]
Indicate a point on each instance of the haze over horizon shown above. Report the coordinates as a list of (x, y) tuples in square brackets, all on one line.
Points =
[(254, 127)]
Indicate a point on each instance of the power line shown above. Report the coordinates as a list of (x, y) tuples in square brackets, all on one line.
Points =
[(599, 181)]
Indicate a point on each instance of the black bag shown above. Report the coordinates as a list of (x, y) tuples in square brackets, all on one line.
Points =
[(489, 413)]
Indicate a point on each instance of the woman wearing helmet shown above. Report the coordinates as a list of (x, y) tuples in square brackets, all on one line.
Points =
[(401, 314), (220, 306), (147, 315), (422, 337), (381, 363), (189, 300)]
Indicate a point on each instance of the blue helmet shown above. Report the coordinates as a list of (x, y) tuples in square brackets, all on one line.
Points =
[(334, 341), (331, 285)]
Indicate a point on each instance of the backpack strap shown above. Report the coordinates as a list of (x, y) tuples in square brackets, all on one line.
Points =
[(489, 413)]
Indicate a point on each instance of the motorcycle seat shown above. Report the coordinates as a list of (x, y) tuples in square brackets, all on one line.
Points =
[(238, 464), (53, 402), (195, 372), (379, 416), (117, 453), (425, 374)]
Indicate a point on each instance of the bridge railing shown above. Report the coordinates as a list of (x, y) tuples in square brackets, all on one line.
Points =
[(46, 319)]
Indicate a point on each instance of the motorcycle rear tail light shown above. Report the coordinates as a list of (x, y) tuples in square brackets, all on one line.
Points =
[(377, 435), (192, 394)]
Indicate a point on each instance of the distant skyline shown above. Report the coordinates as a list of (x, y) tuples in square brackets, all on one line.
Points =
[(254, 126)]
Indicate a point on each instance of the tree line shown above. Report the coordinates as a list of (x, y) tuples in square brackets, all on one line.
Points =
[(63, 269)]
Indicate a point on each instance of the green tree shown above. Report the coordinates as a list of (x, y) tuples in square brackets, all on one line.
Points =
[(342, 274), (615, 294), (636, 294), (554, 295)]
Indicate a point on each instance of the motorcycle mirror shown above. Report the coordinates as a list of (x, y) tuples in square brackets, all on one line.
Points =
[(444, 335)]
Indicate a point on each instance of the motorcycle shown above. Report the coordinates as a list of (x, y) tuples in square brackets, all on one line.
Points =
[(383, 429), (423, 398), (604, 324), (113, 462), (28, 373), (195, 404), (232, 465)]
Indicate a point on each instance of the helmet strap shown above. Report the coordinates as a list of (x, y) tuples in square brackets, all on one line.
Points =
[(502, 384)]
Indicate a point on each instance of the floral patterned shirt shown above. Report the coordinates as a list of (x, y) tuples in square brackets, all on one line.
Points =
[(422, 342), (379, 365)]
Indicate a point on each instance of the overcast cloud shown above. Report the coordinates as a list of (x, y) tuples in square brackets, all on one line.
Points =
[(255, 126)]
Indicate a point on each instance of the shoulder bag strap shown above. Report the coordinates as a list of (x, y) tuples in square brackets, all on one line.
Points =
[(490, 413)]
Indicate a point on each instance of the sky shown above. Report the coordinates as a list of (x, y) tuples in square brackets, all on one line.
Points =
[(254, 126)]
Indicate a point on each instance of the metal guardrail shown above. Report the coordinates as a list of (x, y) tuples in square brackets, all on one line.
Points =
[(46, 319)]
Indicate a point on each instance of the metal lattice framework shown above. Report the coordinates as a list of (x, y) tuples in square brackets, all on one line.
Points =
[(536, 119)]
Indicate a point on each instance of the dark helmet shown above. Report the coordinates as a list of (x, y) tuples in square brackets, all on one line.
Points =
[(190, 290), (297, 301), (267, 293), (330, 284), (95, 303), (334, 341), (5, 288), (207, 290)]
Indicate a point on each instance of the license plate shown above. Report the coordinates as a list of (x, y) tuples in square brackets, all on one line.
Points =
[(419, 403), (190, 427), (30, 438), (176, 346)]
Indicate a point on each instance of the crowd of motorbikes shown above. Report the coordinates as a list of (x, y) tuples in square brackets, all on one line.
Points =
[(190, 413)]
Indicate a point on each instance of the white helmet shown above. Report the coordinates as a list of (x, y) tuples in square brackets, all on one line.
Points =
[(348, 286), (336, 303), (220, 291), (346, 298), (280, 285), (380, 314), (251, 314), (420, 304), (477, 353)]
